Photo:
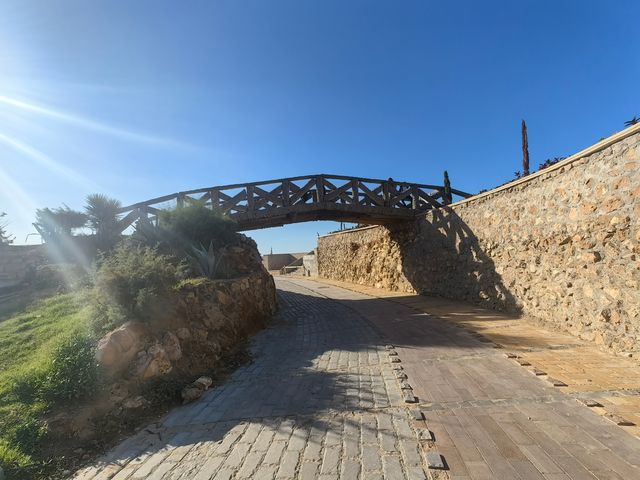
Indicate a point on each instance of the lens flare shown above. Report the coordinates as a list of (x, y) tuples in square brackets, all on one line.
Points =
[(49, 163), (92, 125)]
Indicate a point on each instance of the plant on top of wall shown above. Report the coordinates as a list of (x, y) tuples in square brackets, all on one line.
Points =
[(5, 238)]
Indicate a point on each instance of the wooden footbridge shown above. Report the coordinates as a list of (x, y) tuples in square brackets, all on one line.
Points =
[(274, 203)]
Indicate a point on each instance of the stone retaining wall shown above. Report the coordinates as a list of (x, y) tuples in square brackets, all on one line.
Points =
[(17, 262), (561, 246)]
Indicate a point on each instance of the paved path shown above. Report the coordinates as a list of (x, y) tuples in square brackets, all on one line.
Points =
[(323, 400)]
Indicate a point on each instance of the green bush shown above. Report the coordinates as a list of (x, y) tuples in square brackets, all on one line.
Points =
[(180, 228), (73, 373), (133, 283)]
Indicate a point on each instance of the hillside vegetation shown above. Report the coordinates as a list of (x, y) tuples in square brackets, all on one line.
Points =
[(42, 363)]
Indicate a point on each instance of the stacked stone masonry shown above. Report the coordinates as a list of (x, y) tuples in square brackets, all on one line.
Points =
[(561, 247), (17, 262)]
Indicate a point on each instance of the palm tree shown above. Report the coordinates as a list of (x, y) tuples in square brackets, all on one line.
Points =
[(634, 121), (102, 217), (52, 224), (525, 150)]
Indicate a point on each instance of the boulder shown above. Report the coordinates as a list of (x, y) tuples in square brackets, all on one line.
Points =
[(191, 393), (151, 363), (203, 382), (194, 390), (118, 348)]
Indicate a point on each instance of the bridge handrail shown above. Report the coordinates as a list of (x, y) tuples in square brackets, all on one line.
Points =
[(318, 188), (171, 196)]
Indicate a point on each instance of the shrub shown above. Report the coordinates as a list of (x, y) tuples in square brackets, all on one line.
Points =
[(73, 373), (184, 226), (133, 283), (5, 238)]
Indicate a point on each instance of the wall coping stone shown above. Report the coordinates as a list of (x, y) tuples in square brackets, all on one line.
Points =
[(601, 145)]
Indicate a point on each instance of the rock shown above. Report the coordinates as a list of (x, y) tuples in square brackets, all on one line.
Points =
[(224, 298), (183, 333), (195, 390), (117, 349), (171, 346), (203, 382), (190, 393), (136, 402), (214, 318), (151, 363)]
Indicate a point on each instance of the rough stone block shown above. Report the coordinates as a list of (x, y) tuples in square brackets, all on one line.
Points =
[(408, 396), (435, 461), (556, 383), (425, 435), (590, 403), (618, 420), (416, 414)]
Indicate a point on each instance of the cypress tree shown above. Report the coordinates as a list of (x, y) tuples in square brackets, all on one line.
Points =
[(447, 196), (525, 150)]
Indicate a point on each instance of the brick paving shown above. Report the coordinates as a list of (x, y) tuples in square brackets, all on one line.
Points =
[(323, 399)]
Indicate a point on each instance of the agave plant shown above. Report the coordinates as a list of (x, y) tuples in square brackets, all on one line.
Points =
[(634, 121), (205, 260)]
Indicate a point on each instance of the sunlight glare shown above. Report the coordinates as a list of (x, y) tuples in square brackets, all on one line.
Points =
[(49, 163), (93, 125)]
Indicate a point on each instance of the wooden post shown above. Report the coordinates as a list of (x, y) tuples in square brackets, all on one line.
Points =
[(285, 193), (354, 192), (215, 199), (320, 189), (250, 201), (386, 195)]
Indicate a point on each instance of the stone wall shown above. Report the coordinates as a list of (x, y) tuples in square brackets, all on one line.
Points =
[(561, 246), (310, 264), (276, 261), (205, 318), (17, 262)]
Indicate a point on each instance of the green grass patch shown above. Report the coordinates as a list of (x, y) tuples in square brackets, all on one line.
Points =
[(46, 358)]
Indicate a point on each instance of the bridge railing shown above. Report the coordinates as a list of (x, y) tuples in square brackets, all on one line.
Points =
[(247, 200)]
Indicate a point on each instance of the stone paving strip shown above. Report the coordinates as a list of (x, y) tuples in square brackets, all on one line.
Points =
[(494, 417), (320, 400), (581, 369)]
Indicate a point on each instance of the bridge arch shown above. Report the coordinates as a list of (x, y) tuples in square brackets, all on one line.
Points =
[(272, 203)]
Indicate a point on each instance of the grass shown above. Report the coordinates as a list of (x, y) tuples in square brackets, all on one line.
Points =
[(33, 345)]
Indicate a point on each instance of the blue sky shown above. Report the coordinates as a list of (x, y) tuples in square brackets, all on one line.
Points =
[(140, 99)]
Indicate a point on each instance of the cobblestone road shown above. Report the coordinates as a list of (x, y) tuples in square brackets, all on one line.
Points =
[(320, 401), (325, 398)]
